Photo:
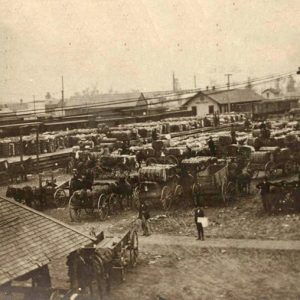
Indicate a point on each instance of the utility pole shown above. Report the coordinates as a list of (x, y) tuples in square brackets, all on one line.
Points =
[(195, 81), (228, 88), (34, 105), (174, 84), (62, 95)]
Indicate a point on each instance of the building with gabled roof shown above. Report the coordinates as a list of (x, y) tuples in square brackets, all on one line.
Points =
[(271, 93), (223, 101), (30, 240)]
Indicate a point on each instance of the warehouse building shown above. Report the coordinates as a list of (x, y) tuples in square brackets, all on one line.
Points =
[(30, 241), (211, 101)]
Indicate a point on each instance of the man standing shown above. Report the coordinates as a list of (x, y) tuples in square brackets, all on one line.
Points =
[(264, 191), (233, 136), (199, 213), (144, 215), (211, 146)]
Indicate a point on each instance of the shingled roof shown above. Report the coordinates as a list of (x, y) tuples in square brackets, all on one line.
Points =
[(30, 239), (233, 95)]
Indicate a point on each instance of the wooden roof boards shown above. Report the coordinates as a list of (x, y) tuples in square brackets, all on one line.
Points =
[(30, 239)]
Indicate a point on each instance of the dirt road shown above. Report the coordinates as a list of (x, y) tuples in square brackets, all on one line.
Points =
[(168, 240), (181, 268)]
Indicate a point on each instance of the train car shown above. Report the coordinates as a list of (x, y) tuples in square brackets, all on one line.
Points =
[(268, 108)]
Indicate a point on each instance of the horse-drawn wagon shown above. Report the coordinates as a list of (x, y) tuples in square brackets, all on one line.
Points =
[(212, 183), (159, 183), (106, 197), (110, 166), (91, 269), (282, 159), (261, 161)]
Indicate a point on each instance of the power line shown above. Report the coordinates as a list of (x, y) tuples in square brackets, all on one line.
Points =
[(264, 79)]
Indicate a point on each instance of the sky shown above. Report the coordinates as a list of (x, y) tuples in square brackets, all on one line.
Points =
[(136, 45)]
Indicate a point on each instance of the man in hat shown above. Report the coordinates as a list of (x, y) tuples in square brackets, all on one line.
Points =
[(144, 216), (211, 146), (264, 187), (199, 213)]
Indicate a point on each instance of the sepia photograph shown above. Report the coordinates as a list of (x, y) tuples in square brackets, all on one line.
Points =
[(149, 149)]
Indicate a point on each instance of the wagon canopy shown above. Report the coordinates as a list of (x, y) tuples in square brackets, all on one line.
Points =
[(157, 173)]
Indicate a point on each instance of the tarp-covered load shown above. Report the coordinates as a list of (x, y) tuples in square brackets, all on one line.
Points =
[(199, 160), (157, 173)]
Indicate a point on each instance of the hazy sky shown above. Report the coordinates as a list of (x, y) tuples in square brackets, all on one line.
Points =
[(137, 44)]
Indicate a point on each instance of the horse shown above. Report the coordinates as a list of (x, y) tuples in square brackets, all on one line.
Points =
[(89, 271), (16, 193), (20, 170), (24, 195)]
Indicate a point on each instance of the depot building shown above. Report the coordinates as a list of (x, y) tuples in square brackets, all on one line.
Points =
[(212, 101)]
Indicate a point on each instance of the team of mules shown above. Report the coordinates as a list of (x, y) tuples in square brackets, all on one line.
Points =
[(34, 197)]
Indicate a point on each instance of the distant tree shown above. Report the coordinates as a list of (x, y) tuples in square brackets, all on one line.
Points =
[(290, 87)]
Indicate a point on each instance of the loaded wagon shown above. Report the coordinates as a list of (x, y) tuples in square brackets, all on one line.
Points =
[(189, 169), (112, 165), (107, 197), (91, 269), (213, 184), (151, 156), (159, 184), (57, 194), (282, 159), (261, 161)]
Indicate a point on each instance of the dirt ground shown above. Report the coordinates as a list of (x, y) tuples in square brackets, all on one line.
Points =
[(180, 273), (190, 272)]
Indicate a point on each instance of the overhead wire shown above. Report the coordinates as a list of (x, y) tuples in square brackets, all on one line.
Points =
[(111, 104)]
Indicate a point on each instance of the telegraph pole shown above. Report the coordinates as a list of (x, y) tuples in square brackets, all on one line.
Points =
[(34, 105), (62, 95), (195, 81), (228, 88)]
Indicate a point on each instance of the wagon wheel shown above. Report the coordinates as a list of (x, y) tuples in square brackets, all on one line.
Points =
[(100, 283), (74, 210), (166, 198), (136, 198), (229, 192), (133, 248), (60, 198), (150, 161), (178, 193), (171, 159), (103, 207), (270, 169), (289, 167)]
